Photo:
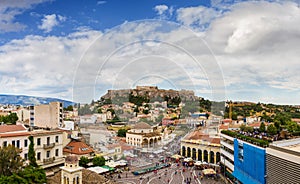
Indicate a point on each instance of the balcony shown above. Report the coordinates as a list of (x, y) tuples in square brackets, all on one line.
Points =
[(49, 146), (48, 160), (227, 154), (227, 163), (230, 146)]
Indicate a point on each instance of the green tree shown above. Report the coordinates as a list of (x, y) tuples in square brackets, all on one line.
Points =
[(292, 126), (10, 160), (69, 108), (34, 175), (12, 118), (122, 132), (98, 161), (31, 153), (262, 127), (243, 127), (272, 130), (249, 129), (83, 161)]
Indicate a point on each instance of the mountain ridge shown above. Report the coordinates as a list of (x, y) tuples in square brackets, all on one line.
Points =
[(26, 100)]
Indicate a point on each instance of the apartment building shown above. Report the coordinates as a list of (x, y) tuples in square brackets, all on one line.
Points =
[(283, 162), (244, 162), (48, 145), (16, 135), (227, 153), (47, 115)]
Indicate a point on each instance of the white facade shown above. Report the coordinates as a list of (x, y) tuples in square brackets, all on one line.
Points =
[(227, 151), (88, 119), (48, 148), (20, 141)]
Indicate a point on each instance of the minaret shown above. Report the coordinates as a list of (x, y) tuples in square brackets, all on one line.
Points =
[(71, 172)]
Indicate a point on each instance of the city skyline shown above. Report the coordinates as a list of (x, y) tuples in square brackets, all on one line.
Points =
[(229, 50)]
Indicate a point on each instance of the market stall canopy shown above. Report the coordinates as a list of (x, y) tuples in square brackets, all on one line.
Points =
[(176, 156), (189, 159), (98, 169), (198, 163), (209, 172)]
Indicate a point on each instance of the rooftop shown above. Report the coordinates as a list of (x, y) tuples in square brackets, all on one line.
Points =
[(142, 125), (12, 128), (78, 148)]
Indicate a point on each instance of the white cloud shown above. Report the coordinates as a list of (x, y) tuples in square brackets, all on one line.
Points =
[(255, 43), (50, 21), (160, 9), (101, 2), (197, 17), (10, 9)]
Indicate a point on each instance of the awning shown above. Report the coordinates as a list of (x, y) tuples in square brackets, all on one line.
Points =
[(209, 172), (176, 156), (98, 169), (107, 167)]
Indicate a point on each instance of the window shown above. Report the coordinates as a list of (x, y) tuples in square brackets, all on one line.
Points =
[(38, 156), (26, 156), (56, 152), (48, 140), (56, 139), (25, 143), (4, 143), (48, 154), (38, 141), (241, 151), (18, 143), (13, 143)]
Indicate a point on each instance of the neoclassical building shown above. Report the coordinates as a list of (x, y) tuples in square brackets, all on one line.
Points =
[(143, 136), (202, 147)]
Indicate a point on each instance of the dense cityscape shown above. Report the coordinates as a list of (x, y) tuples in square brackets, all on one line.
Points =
[(149, 135), (149, 92)]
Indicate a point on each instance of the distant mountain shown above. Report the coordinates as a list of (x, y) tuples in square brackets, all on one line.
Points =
[(30, 100)]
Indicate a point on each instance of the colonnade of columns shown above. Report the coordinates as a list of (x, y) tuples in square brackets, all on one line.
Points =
[(206, 155)]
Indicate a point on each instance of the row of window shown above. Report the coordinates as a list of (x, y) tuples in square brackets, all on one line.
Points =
[(48, 154), (38, 142), (130, 138), (16, 143)]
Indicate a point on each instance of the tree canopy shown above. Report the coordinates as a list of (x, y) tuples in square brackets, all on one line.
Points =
[(98, 161), (12, 118), (122, 132)]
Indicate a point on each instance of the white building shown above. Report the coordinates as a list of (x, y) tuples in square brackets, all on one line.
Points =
[(88, 119), (142, 135), (47, 144)]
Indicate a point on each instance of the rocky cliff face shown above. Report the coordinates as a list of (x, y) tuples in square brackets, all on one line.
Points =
[(151, 92)]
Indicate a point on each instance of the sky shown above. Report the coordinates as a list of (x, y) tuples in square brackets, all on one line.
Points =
[(222, 49)]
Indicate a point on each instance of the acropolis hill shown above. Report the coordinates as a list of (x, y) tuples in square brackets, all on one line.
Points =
[(151, 92)]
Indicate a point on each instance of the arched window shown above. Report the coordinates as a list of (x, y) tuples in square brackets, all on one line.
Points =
[(218, 157), (205, 155), (188, 152), (194, 153), (183, 151), (199, 155), (212, 157)]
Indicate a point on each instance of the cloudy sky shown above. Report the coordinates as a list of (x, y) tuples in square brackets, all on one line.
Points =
[(221, 49)]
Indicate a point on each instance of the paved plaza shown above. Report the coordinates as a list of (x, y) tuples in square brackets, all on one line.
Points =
[(170, 175)]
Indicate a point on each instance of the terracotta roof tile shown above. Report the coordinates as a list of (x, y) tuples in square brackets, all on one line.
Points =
[(142, 125), (11, 128), (78, 148), (196, 135)]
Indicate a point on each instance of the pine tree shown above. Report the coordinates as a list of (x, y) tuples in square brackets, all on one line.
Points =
[(31, 153)]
